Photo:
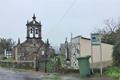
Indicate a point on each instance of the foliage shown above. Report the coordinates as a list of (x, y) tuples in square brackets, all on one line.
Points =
[(50, 65), (8, 59), (113, 72), (116, 54), (4, 58), (62, 59), (16, 65), (110, 33), (52, 55), (5, 44)]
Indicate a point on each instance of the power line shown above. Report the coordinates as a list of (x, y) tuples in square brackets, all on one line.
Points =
[(66, 12)]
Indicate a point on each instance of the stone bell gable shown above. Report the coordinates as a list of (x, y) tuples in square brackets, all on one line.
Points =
[(33, 47), (33, 29)]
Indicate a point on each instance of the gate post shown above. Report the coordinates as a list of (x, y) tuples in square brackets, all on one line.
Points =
[(34, 63)]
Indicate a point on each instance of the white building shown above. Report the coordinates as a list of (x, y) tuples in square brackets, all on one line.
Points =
[(81, 46), (8, 53)]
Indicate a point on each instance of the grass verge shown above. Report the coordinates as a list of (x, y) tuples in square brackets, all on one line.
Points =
[(52, 77), (113, 72)]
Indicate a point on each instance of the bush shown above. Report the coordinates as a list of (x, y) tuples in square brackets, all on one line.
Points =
[(4, 58), (116, 54)]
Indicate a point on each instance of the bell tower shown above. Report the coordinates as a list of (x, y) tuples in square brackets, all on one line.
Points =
[(33, 29)]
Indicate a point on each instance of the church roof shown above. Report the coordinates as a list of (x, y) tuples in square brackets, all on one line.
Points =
[(33, 22)]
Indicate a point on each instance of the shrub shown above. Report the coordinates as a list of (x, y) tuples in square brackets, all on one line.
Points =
[(113, 72), (116, 54), (4, 58)]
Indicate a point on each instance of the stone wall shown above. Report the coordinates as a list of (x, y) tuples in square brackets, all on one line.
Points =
[(18, 64)]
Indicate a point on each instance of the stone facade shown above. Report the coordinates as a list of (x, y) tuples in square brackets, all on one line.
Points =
[(33, 47)]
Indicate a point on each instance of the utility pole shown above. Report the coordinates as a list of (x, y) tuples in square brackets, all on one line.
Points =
[(96, 41), (92, 59), (101, 69)]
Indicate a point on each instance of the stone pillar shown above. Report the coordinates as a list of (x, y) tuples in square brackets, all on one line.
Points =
[(28, 34), (39, 32), (33, 32), (34, 66)]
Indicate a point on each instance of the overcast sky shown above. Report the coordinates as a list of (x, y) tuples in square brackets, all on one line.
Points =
[(81, 19)]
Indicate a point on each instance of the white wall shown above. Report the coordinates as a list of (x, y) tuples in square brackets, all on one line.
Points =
[(74, 53), (84, 45)]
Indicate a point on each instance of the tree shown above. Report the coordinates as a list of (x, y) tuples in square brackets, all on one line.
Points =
[(6, 44), (116, 54), (111, 32)]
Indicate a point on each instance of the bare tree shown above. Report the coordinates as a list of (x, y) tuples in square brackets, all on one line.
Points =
[(111, 32)]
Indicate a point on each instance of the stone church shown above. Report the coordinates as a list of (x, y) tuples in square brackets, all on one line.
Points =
[(33, 47)]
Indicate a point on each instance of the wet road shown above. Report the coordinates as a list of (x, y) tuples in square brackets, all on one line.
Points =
[(6, 74)]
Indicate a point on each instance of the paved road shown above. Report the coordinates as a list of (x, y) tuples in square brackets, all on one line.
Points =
[(6, 74)]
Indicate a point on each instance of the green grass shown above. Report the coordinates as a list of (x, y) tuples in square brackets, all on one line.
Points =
[(113, 72), (9, 59)]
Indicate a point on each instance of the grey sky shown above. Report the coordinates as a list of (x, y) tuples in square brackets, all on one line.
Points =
[(81, 19)]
